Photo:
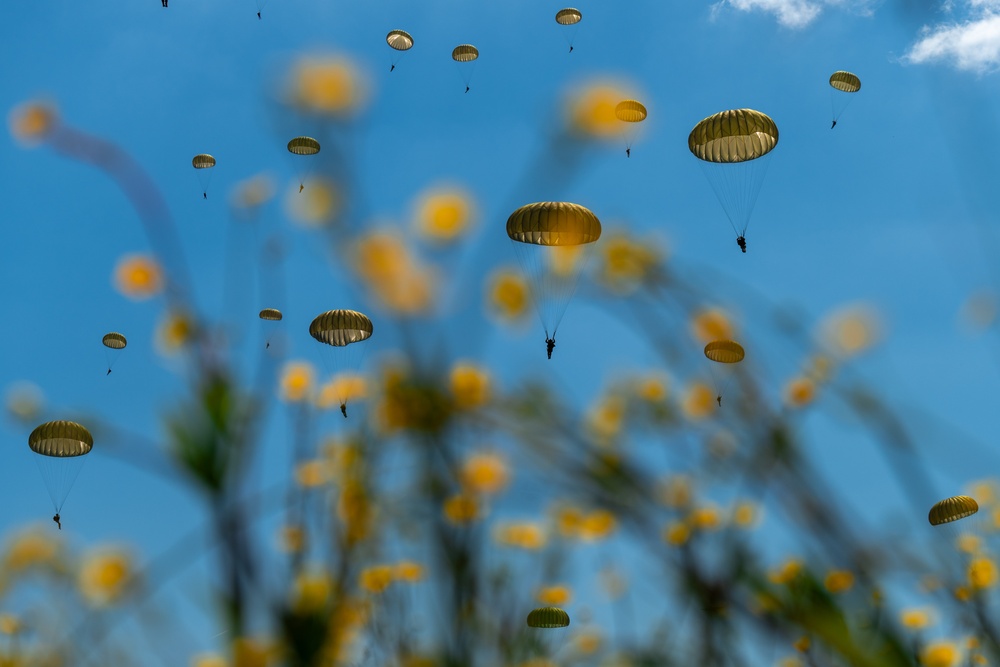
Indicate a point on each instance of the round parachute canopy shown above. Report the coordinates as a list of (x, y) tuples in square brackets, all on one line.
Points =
[(399, 40), (464, 53), (568, 16), (203, 161), (731, 136), (725, 351), (630, 111), (341, 327), (952, 509), (548, 617), (553, 223), (303, 146), (114, 340), (61, 439), (845, 82), (272, 314)]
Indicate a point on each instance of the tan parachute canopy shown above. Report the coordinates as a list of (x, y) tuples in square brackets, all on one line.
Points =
[(952, 509), (399, 40), (548, 617), (61, 439), (568, 16), (203, 161), (553, 223), (630, 111), (341, 327), (272, 314), (724, 351), (736, 135), (114, 340), (845, 82), (303, 146), (464, 53)]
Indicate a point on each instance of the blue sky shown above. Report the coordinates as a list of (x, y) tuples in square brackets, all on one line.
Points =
[(895, 206)]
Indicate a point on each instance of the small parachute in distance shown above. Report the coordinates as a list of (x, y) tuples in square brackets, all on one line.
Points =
[(304, 146), (201, 162), (725, 351), (630, 111), (844, 82), (569, 17), (398, 40), (465, 53), (339, 329), (548, 617), (116, 342), (61, 447), (270, 314), (952, 509)]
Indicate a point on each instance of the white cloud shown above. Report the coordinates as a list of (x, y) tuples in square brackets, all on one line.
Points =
[(972, 44), (800, 13)]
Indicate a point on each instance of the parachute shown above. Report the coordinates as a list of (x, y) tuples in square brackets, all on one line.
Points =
[(399, 41), (569, 17), (548, 617), (465, 53), (202, 163), (630, 112), (270, 315), (730, 145), (61, 447), (542, 233), (304, 146), (842, 82), (952, 509), (340, 329), (115, 342), (723, 352)]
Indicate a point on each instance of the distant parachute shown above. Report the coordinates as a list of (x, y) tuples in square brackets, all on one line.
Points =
[(730, 145), (341, 329), (548, 617), (540, 231), (61, 448), (842, 82), (203, 163), (630, 112), (952, 509), (399, 41), (305, 146), (270, 315), (115, 342), (465, 53), (569, 17), (723, 352)]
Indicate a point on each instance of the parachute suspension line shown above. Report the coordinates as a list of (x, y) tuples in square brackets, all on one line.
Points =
[(737, 187), (531, 268), (59, 475), (837, 110)]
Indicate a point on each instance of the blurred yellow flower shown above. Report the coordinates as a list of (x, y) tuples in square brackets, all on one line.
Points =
[(799, 392), (587, 642), (376, 578), (851, 330), (940, 654), (381, 256), (508, 295), (568, 520), (597, 525), (484, 473), (984, 491), (342, 388), (138, 277), (787, 572), (355, 511), (710, 324), (525, 535), (411, 293), (173, 332), (802, 644), (564, 260), (746, 514), (676, 533), (316, 206), (461, 509), (839, 581), (819, 368), (9, 624), (329, 86), (252, 192), (625, 263), (249, 652), (104, 576), (209, 660), (915, 618), (471, 386), (699, 401), (554, 596), (982, 573), (291, 539), (312, 591), (24, 401), (968, 543), (652, 387), (32, 122), (590, 109), (408, 571), (29, 549), (444, 213), (297, 379), (311, 474), (962, 593), (605, 418), (676, 491), (705, 518)]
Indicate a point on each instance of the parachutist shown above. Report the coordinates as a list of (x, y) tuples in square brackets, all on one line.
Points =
[(550, 344), (164, 3), (628, 152), (56, 517), (343, 409), (392, 68), (742, 243), (204, 195), (571, 49), (258, 16), (719, 399), (268, 346), (108, 373), (834, 125), (466, 89), (301, 187)]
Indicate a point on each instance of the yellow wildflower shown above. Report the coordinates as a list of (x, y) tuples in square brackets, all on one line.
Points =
[(839, 581), (699, 401), (24, 401), (676, 491), (915, 619), (969, 543), (376, 578), (291, 539), (382, 257), (711, 324), (940, 654), (625, 263), (799, 392), (461, 509), (173, 332), (209, 660), (329, 86), (444, 213), (9, 624), (802, 644), (32, 122), (554, 596), (297, 378), (104, 576), (568, 520), (252, 193), (29, 549), (746, 514), (342, 388), (412, 291), (819, 368), (705, 518), (787, 572), (606, 416), (312, 591), (408, 571), (984, 491), (564, 260), (508, 295), (316, 206), (138, 277), (652, 387), (676, 533), (982, 573), (248, 652), (587, 643), (962, 593), (597, 525), (851, 330), (471, 386), (312, 474), (590, 110), (484, 473), (529, 536), (355, 511)]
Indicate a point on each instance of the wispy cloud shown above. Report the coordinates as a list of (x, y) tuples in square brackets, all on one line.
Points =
[(971, 42), (800, 13)]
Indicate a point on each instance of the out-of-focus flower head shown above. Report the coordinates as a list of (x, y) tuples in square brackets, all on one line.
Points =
[(24, 401), (408, 571), (508, 296), (461, 509), (376, 578), (316, 206), (173, 332), (30, 549), (851, 330), (444, 214), (982, 573), (9, 624), (625, 263), (138, 277), (564, 261), (471, 386), (787, 572), (395, 276), (709, 324), (311, 592), (252, 652), (31, 123), (705, 518), (676, 533), (819, 368), (554, 596), (312, 474), (330, 86), (209, 660), (985, 491), (916, 618), (605, 418), (252, 193), (347, 387), (587, 642), (699, 401), (969, 543), (802, 644), (746, 514), (484, 473), (941, 654), (105, 575), (526, 535), (597, 525), (590, 109), (291, 539), (652, 387), (355, 511), (799, 392), (297, 381), (839, 581), (677, 491)]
